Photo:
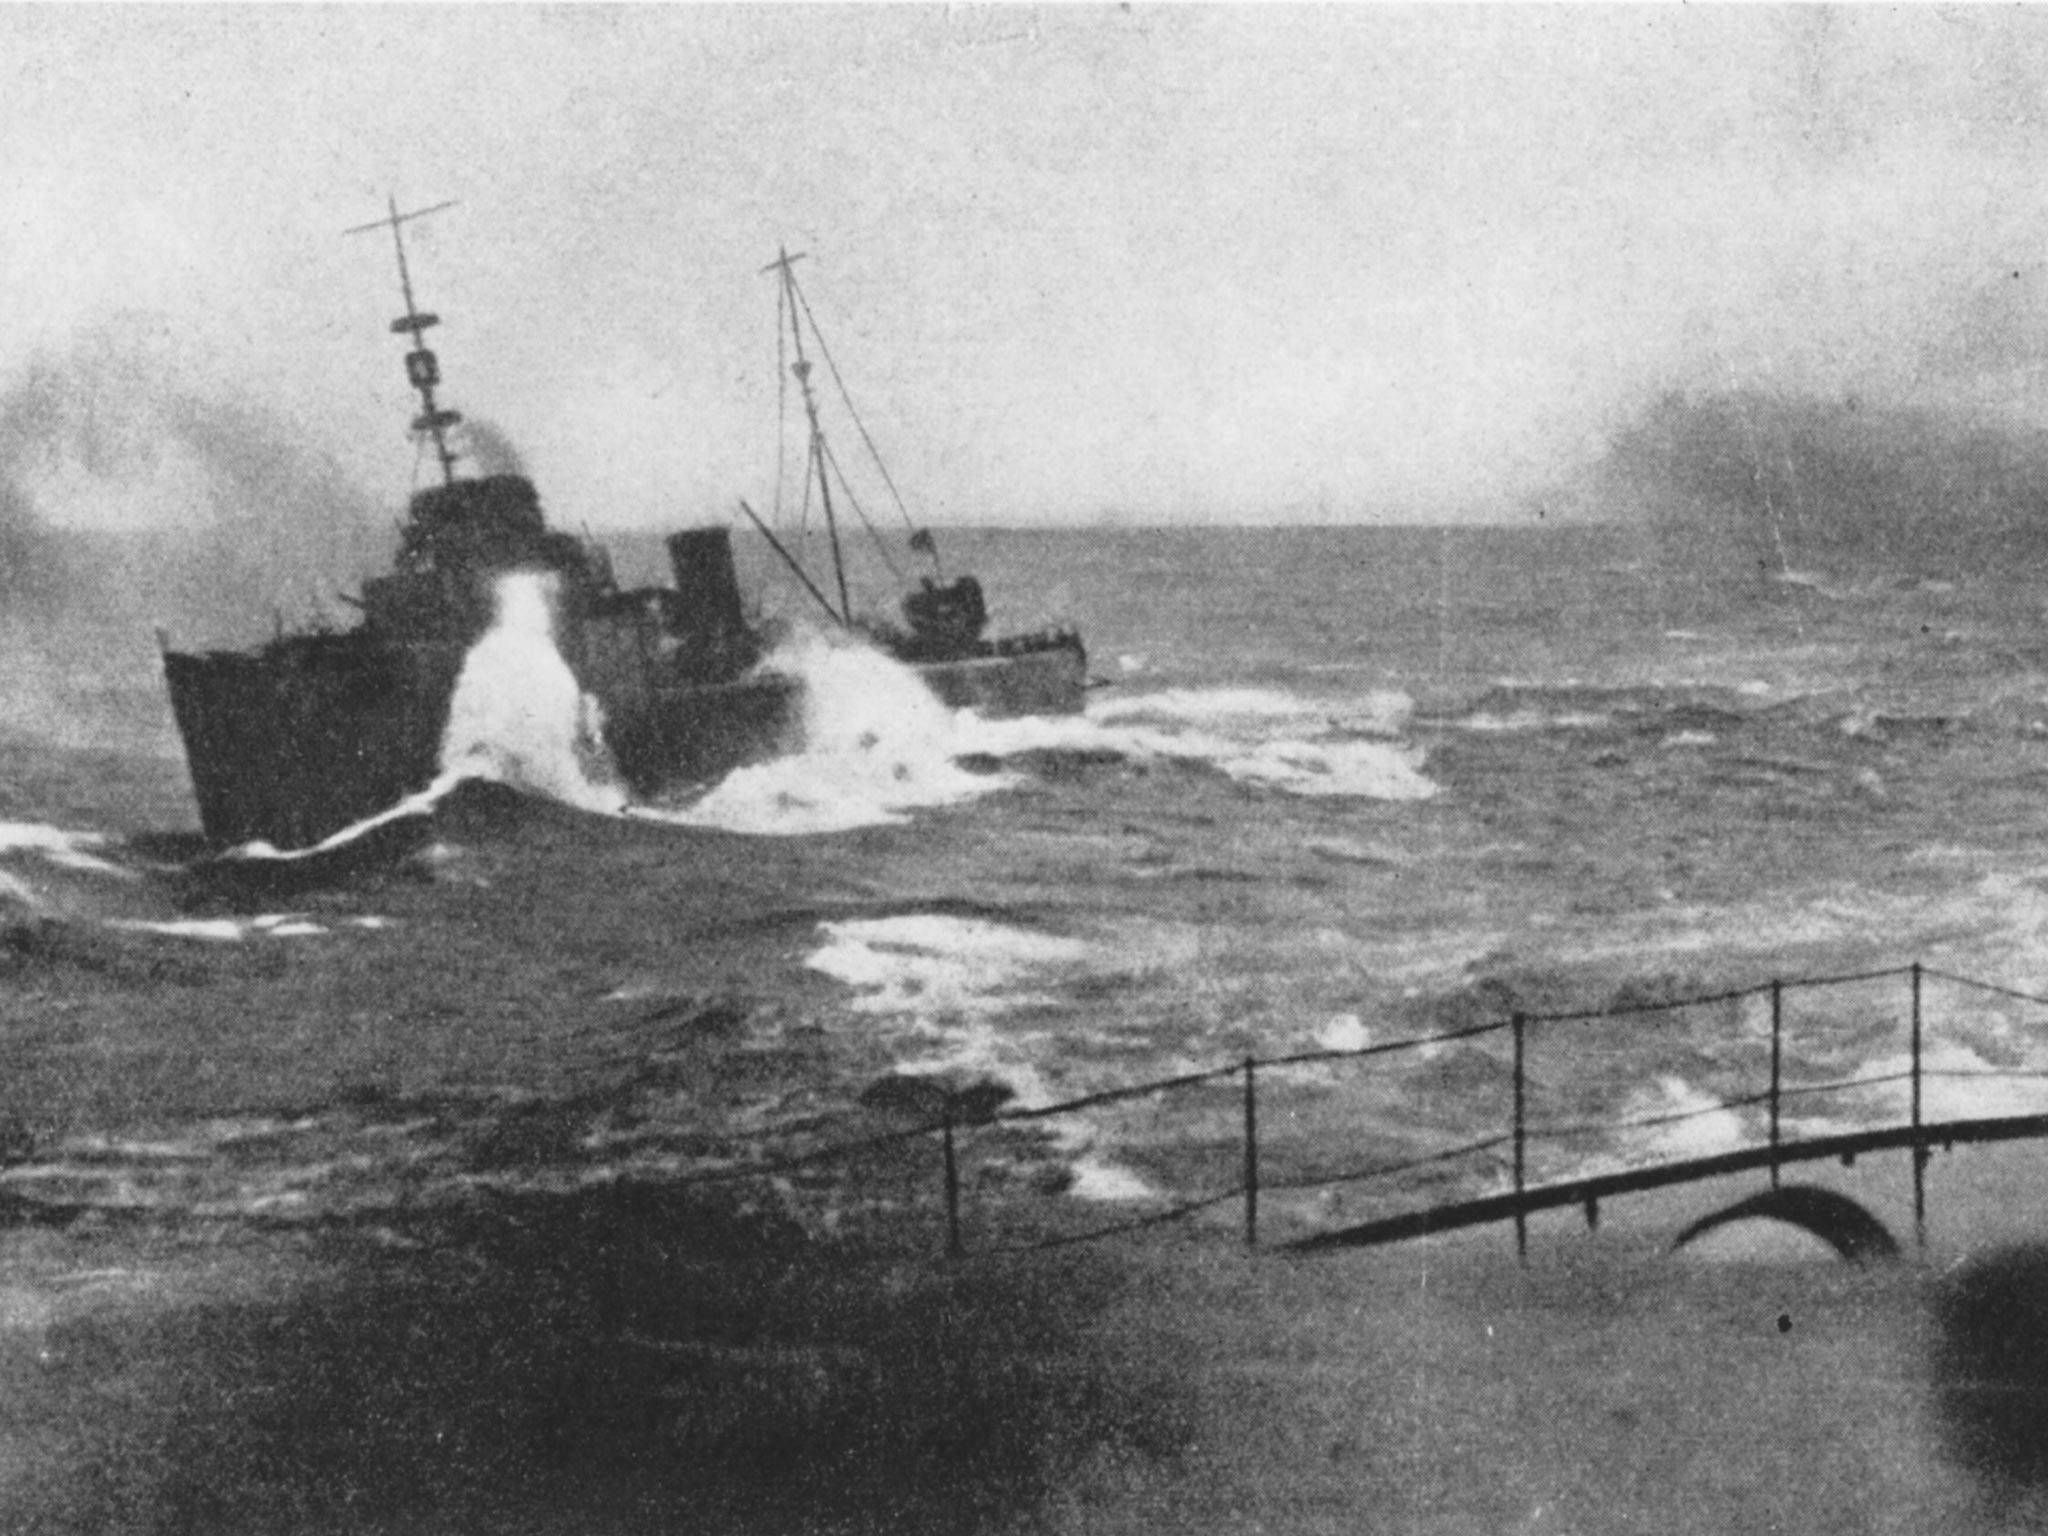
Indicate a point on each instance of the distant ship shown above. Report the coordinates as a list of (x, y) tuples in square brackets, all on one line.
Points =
[(317, 730)]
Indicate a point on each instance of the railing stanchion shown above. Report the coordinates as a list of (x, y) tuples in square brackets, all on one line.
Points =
[(1777, 1067), (1919, 1146), (1251, 1158), (1521, 1138), (952, 1190)]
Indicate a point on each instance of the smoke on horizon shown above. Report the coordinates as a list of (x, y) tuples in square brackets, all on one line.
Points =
[(236, 514), (1745, 479)]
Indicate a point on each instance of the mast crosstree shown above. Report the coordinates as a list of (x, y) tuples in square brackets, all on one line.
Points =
[(422, 368), (821, 463)]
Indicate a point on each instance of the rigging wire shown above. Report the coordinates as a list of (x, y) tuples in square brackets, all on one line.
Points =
[(853, 501), (825, 351), (781, 400), (803, 518), (793, 314)]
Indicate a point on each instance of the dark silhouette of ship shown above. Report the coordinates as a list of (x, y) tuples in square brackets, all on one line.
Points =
[(318, 730)]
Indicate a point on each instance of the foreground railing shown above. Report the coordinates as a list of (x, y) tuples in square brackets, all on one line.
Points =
[(1570, 1037)]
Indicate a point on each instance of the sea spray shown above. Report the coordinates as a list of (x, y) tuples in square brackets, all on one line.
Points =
[(59, 846), (878, 744), (1377, 712), (930, 967), (1278, 740), (950, 983), (115, 429), (520, 717), (517, 717)]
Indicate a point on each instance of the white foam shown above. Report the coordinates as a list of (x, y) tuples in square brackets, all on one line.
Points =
[(932, 967), (517, 716), (1708, 1128), (214, 929), (1528, 719), (1957, 1084), (1385, 712), (59, 846), (1095, 1179), (1344, 1032), (1252, 735), (222, 930), (878, 745), (948, 983), (1201, 704), (2003, 915), (1377, 711), (520, 717), (412, 805)]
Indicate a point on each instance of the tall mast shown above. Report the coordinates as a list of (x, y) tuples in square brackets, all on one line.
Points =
[(785, 264), (422, 368)]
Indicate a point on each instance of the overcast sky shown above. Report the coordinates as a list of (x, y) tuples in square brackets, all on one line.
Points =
[(1178, 263)]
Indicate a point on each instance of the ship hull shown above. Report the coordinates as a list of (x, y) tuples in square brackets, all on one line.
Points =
[(292, 744), (1046, 680), (290, 747), (699, 733)]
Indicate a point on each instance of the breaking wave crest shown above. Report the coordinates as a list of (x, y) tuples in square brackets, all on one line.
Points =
[(878, 744), (1261, 736), (70, 850), (1379, 713)]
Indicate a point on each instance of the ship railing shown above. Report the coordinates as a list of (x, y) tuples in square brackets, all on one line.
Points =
[(1216, 1143)]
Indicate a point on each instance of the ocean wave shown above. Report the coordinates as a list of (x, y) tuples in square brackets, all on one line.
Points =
[(878, 745), (67, 849), (1383, 712), (1265, 737), (1529, 719), (1956, 1084), (1367, 770), (927, 966), (1696, 1124), (229, 930)]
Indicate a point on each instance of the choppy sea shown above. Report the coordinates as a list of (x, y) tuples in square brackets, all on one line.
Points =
[(1335, 788)]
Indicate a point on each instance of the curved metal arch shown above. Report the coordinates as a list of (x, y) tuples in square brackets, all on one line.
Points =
[(1835, 1219)]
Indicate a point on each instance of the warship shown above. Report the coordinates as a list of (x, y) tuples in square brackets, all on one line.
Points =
[(317, 730)]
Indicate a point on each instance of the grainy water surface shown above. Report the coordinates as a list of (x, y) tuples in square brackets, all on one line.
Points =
[(1338, 787)]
